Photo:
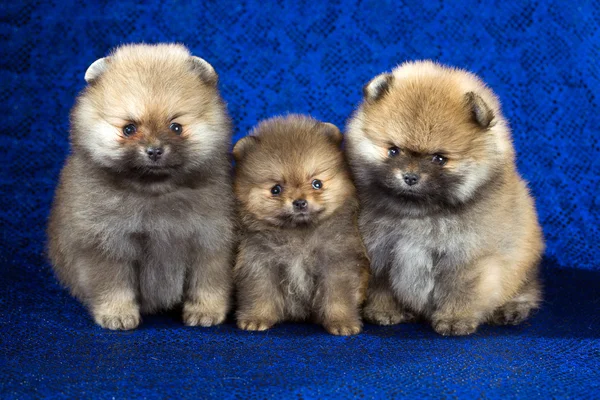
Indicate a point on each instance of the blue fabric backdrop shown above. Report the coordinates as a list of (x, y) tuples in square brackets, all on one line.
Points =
[(306, 57)]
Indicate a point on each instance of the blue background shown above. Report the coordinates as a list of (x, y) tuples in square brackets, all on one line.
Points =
[(305, 57)]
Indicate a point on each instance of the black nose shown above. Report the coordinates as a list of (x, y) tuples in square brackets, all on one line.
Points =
[(300, 204), (411, 179), (154, 153)]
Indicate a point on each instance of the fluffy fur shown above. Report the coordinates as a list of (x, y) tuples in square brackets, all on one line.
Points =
[(297, 263), (132, 230), (448, 223)]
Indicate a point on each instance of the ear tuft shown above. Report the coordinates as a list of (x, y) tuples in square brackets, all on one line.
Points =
[(97, 68), (378, 87), (242, 146), (481, 112), (331, 132), (205, 71)]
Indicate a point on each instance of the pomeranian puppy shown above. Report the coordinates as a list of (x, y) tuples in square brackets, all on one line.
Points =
[(449, 225), (143, 214), (301, 256)]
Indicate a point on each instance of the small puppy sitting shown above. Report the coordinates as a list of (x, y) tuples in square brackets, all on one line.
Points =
[(449, 225), (142, 218), (301, 255)]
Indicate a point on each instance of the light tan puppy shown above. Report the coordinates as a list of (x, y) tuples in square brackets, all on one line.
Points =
[(142, 218), (449, 224)]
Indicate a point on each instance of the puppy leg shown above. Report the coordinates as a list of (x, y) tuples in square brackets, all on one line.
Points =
[(209, 288), (109, 290), (457, 317), (337, 302), (259, 307), (381, 306), (464, 297), (517, 309), (117, 310), (259, 299)]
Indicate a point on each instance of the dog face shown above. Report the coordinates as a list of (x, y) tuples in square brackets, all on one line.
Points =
[(427, 134), (291, 172), (150, 110)]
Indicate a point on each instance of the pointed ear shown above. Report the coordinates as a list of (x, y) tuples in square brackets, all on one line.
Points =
[(331, 132), (96, 69), (205, 71), (378, 87), (242, 146), (481, 112)]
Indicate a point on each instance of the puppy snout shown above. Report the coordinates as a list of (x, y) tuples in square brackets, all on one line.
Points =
[(300, 205), (410, 178), (154, 152)]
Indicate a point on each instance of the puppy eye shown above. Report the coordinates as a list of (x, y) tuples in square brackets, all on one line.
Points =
[(393, 151), (276, 190), (439, 159), (176, 128), (317, 184), (129, 130)]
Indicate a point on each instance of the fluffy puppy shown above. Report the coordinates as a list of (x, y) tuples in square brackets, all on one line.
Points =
[(449, 225), (301, 255), (142, 218)]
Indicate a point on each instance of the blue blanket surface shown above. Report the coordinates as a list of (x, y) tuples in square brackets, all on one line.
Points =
[(306, 57)]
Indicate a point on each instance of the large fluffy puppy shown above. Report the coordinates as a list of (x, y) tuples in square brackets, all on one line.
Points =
[(448, 223), (142, 219), (301, 255)]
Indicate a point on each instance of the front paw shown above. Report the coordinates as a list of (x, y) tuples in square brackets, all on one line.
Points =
[(512, 313), (196, 315), (455, 327), (387, 317), (343, 328), (125, 319), (249, 324)]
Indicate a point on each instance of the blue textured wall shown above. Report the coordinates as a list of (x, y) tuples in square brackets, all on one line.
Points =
[(306, 57)]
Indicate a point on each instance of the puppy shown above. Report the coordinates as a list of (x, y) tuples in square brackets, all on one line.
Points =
[(142, 218), (300, 255), (449, 225)]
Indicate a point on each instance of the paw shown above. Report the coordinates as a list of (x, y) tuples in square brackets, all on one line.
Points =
[(343, 328), (254, 324), (387, 317), (117, 313), (123, 321), (511, 313), (455, 327), (196, 315)]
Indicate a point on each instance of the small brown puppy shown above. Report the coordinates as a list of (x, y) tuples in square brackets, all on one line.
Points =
[(449, 224), (142, 218), (301, 255)]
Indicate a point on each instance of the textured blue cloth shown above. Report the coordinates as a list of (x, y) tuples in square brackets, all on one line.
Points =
[(306, 57)]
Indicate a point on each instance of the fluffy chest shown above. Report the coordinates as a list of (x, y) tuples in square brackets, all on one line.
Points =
[(117, 221), (439, 235), (387, 238), (294, 257), (417, 251), (298, 278), (173, 215)]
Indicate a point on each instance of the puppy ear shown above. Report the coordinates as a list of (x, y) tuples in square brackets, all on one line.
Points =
[(331, 132), (378, 87), (242, 146), (205, 71), (481, 112), (96, 69)]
